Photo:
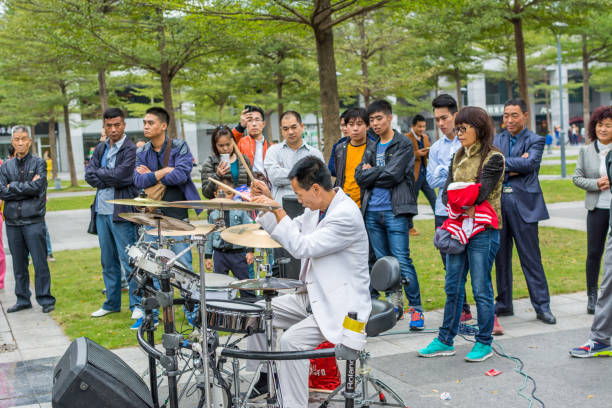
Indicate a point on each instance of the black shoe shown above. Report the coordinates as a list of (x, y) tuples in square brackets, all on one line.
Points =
[(48, 308), (546, 317), (504, 312), (260, 389), (17, 307), (591, 300)]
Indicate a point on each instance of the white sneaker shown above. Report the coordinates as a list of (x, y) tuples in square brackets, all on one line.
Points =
[(102, 312), (137, 313)]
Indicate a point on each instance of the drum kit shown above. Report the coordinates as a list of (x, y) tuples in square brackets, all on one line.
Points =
[(160, 275)]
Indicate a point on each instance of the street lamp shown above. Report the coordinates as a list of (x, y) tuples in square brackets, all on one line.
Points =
[(560, 25)]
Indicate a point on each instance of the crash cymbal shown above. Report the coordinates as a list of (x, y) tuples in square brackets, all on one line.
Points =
[(139, 202), (166, 223), (249, 235), (203, 229), (266, 284), (221, 204)]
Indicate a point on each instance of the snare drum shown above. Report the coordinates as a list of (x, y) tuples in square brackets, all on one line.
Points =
[(234, 316)]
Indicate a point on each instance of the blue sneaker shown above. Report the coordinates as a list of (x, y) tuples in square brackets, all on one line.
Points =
[(417, 321), (138, 323), (435, 349), (592, 349), (480, 352)]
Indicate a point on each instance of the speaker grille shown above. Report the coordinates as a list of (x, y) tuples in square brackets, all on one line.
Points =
[(98, 357)]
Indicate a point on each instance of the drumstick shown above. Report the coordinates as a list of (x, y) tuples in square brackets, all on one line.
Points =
[(228, 188), (241, 158)]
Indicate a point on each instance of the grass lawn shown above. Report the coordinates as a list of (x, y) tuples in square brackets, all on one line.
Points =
[(556, 191), (77, 282), (555, 169), (69, 203)]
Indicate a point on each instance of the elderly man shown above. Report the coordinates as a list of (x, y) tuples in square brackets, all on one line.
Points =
[(23, 188), (329, 236), (281, 157)]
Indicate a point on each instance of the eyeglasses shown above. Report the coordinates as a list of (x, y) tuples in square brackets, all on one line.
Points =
[(461, 129)]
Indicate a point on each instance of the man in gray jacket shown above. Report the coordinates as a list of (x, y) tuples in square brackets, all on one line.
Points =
[(23, 188)]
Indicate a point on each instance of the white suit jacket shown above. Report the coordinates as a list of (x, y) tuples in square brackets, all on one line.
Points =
[(337, 276)]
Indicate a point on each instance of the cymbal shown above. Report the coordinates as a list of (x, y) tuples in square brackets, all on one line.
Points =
[(218, 280), (249, 235), (266, 284), (139, 202), (220, 204), (153, 219), (203, 229)]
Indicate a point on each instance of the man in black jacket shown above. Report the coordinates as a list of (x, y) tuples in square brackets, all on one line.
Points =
[(23, 187), (386, 175), (110, 170)]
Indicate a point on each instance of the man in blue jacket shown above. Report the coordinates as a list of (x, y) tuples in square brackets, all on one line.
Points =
[(110, 170), (522, 207)]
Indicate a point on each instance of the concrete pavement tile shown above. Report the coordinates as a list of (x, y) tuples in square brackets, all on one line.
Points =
[(42, 342), (575, 322), (384, 348), (50, 331), (571, 309), (43, 352), (528, 329), (564, 300)]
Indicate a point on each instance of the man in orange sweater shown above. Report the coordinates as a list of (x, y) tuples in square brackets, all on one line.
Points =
[(252, 145)]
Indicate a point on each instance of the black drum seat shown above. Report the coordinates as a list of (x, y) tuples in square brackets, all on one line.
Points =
[(381, 319)]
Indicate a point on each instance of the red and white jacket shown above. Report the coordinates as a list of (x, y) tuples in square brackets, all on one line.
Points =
[(463, 195)]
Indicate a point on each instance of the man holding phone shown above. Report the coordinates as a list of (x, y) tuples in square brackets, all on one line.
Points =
[(421, 143), (253, 145)]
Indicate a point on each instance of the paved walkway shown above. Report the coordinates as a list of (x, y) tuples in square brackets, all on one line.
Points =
[(31, 342)]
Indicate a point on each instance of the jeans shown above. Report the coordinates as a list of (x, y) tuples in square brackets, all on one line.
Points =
[(114, 237), (389, 236), (49, 250), (478, 257)]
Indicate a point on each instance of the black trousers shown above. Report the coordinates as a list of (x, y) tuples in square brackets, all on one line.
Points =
[(232, 261), (30, 239), (597, 231), (422, 185), (525, 236), (439, 220)]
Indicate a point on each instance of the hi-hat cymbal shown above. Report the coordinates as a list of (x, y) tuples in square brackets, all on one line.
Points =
[(203, 229), (152, 220), (221, 204), (266, 284), (249, 235), (139, 202)]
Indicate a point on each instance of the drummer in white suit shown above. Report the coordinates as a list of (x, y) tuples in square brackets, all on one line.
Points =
[(331, 240)]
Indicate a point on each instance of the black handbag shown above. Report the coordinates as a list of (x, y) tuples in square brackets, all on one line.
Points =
[(92, 220)]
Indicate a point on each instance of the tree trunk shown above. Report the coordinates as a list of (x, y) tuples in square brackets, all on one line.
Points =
[(457, 75), (73, 177), (549, 128), (318, 131), (521, 66), (102, 90), (52, 147), (33, 137), (586, 94), (509, 88), (279, 97), (221, 106), (328, 82), (367, 92), (164, 74)]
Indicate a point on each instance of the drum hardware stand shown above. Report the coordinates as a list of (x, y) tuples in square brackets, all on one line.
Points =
[(274, 395), (149, 304)]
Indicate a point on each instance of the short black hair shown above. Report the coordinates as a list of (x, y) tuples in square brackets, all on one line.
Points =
[(227, 179), (161, 113), (354, 113), (445, 101), (112, 113), (517, 102), (11, 150), (298, 117), (417, 119), (253, 108), (310, 170), (380, 105), (342, 116)]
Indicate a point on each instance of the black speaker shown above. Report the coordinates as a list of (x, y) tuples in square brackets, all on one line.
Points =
[(90, 376), (289, 270)]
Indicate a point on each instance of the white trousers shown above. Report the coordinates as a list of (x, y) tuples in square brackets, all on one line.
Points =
[(301, 333)]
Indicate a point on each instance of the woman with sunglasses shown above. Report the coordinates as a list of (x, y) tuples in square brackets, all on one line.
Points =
[(477, 160), (222, 162)]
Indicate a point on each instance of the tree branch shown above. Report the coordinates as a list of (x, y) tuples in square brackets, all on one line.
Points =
[(363, 10), (293, 11)]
